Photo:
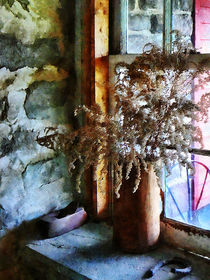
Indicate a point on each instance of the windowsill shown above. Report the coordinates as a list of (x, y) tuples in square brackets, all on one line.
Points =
[(87, 253)]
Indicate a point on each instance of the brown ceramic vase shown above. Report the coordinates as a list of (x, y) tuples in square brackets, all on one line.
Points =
[(137, 215)]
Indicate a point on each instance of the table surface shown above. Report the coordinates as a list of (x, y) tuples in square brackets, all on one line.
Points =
[(88, 253)]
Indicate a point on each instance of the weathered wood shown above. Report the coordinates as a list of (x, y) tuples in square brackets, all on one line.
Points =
[(95, 89), (188, 237), (101, 194), (88, 85)]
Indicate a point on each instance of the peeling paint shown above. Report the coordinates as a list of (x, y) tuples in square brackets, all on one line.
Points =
[(186, 237), (189, 229)]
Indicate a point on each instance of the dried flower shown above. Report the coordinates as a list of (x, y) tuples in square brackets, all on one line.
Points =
[(152, 118)]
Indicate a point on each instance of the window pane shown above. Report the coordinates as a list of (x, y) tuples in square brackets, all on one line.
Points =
[(145, 24), (203, 124), (201, 181), (176, 193), (187, 197), (182, 18)]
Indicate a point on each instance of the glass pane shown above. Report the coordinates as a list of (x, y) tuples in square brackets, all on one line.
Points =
[(182, 19), (203, 124), (146, 18), (145, 24), (176, 191), (187, 196)]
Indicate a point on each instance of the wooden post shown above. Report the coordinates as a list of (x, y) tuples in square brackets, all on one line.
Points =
[(88, 84), (95, 89), (101, 93)]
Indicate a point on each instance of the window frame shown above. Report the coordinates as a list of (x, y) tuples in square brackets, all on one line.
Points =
[(99, 201), (173, 232)]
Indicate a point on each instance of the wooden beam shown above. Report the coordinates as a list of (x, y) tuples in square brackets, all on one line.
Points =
[(101, 93), (88, 84)]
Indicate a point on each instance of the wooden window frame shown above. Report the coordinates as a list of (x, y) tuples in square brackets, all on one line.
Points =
[(105, 39), (190, 237), (95, 79)]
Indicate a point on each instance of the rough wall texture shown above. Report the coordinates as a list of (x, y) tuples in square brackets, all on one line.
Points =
[(145, 22), (37, 89)]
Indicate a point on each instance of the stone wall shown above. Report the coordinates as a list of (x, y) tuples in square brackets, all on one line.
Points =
[(37, 90), (145, 22)]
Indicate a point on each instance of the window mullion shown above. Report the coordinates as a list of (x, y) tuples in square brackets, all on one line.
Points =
[(167, 37), (124, 24), (118, 26)]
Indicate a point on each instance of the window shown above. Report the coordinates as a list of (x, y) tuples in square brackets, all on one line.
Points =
[(187, 196), (145, 24)]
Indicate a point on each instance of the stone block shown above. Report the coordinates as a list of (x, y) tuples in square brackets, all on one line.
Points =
[(32, 153), (6, 146), (16, 100), (45, 101), (4, 166), (14, 81), (3, 108), (150, 4), (18, 143), (23, 138), (183, 23), (40, 201), (156, 24), (139, 22), (27, 193), (145, 4), (137, 42), (15, 55), (183, 5), (11, 197), (2, 217), (45, 173), (131, 5), (5, 131)]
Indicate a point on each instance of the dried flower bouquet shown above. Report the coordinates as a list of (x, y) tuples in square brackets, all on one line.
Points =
[(152, 119)]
